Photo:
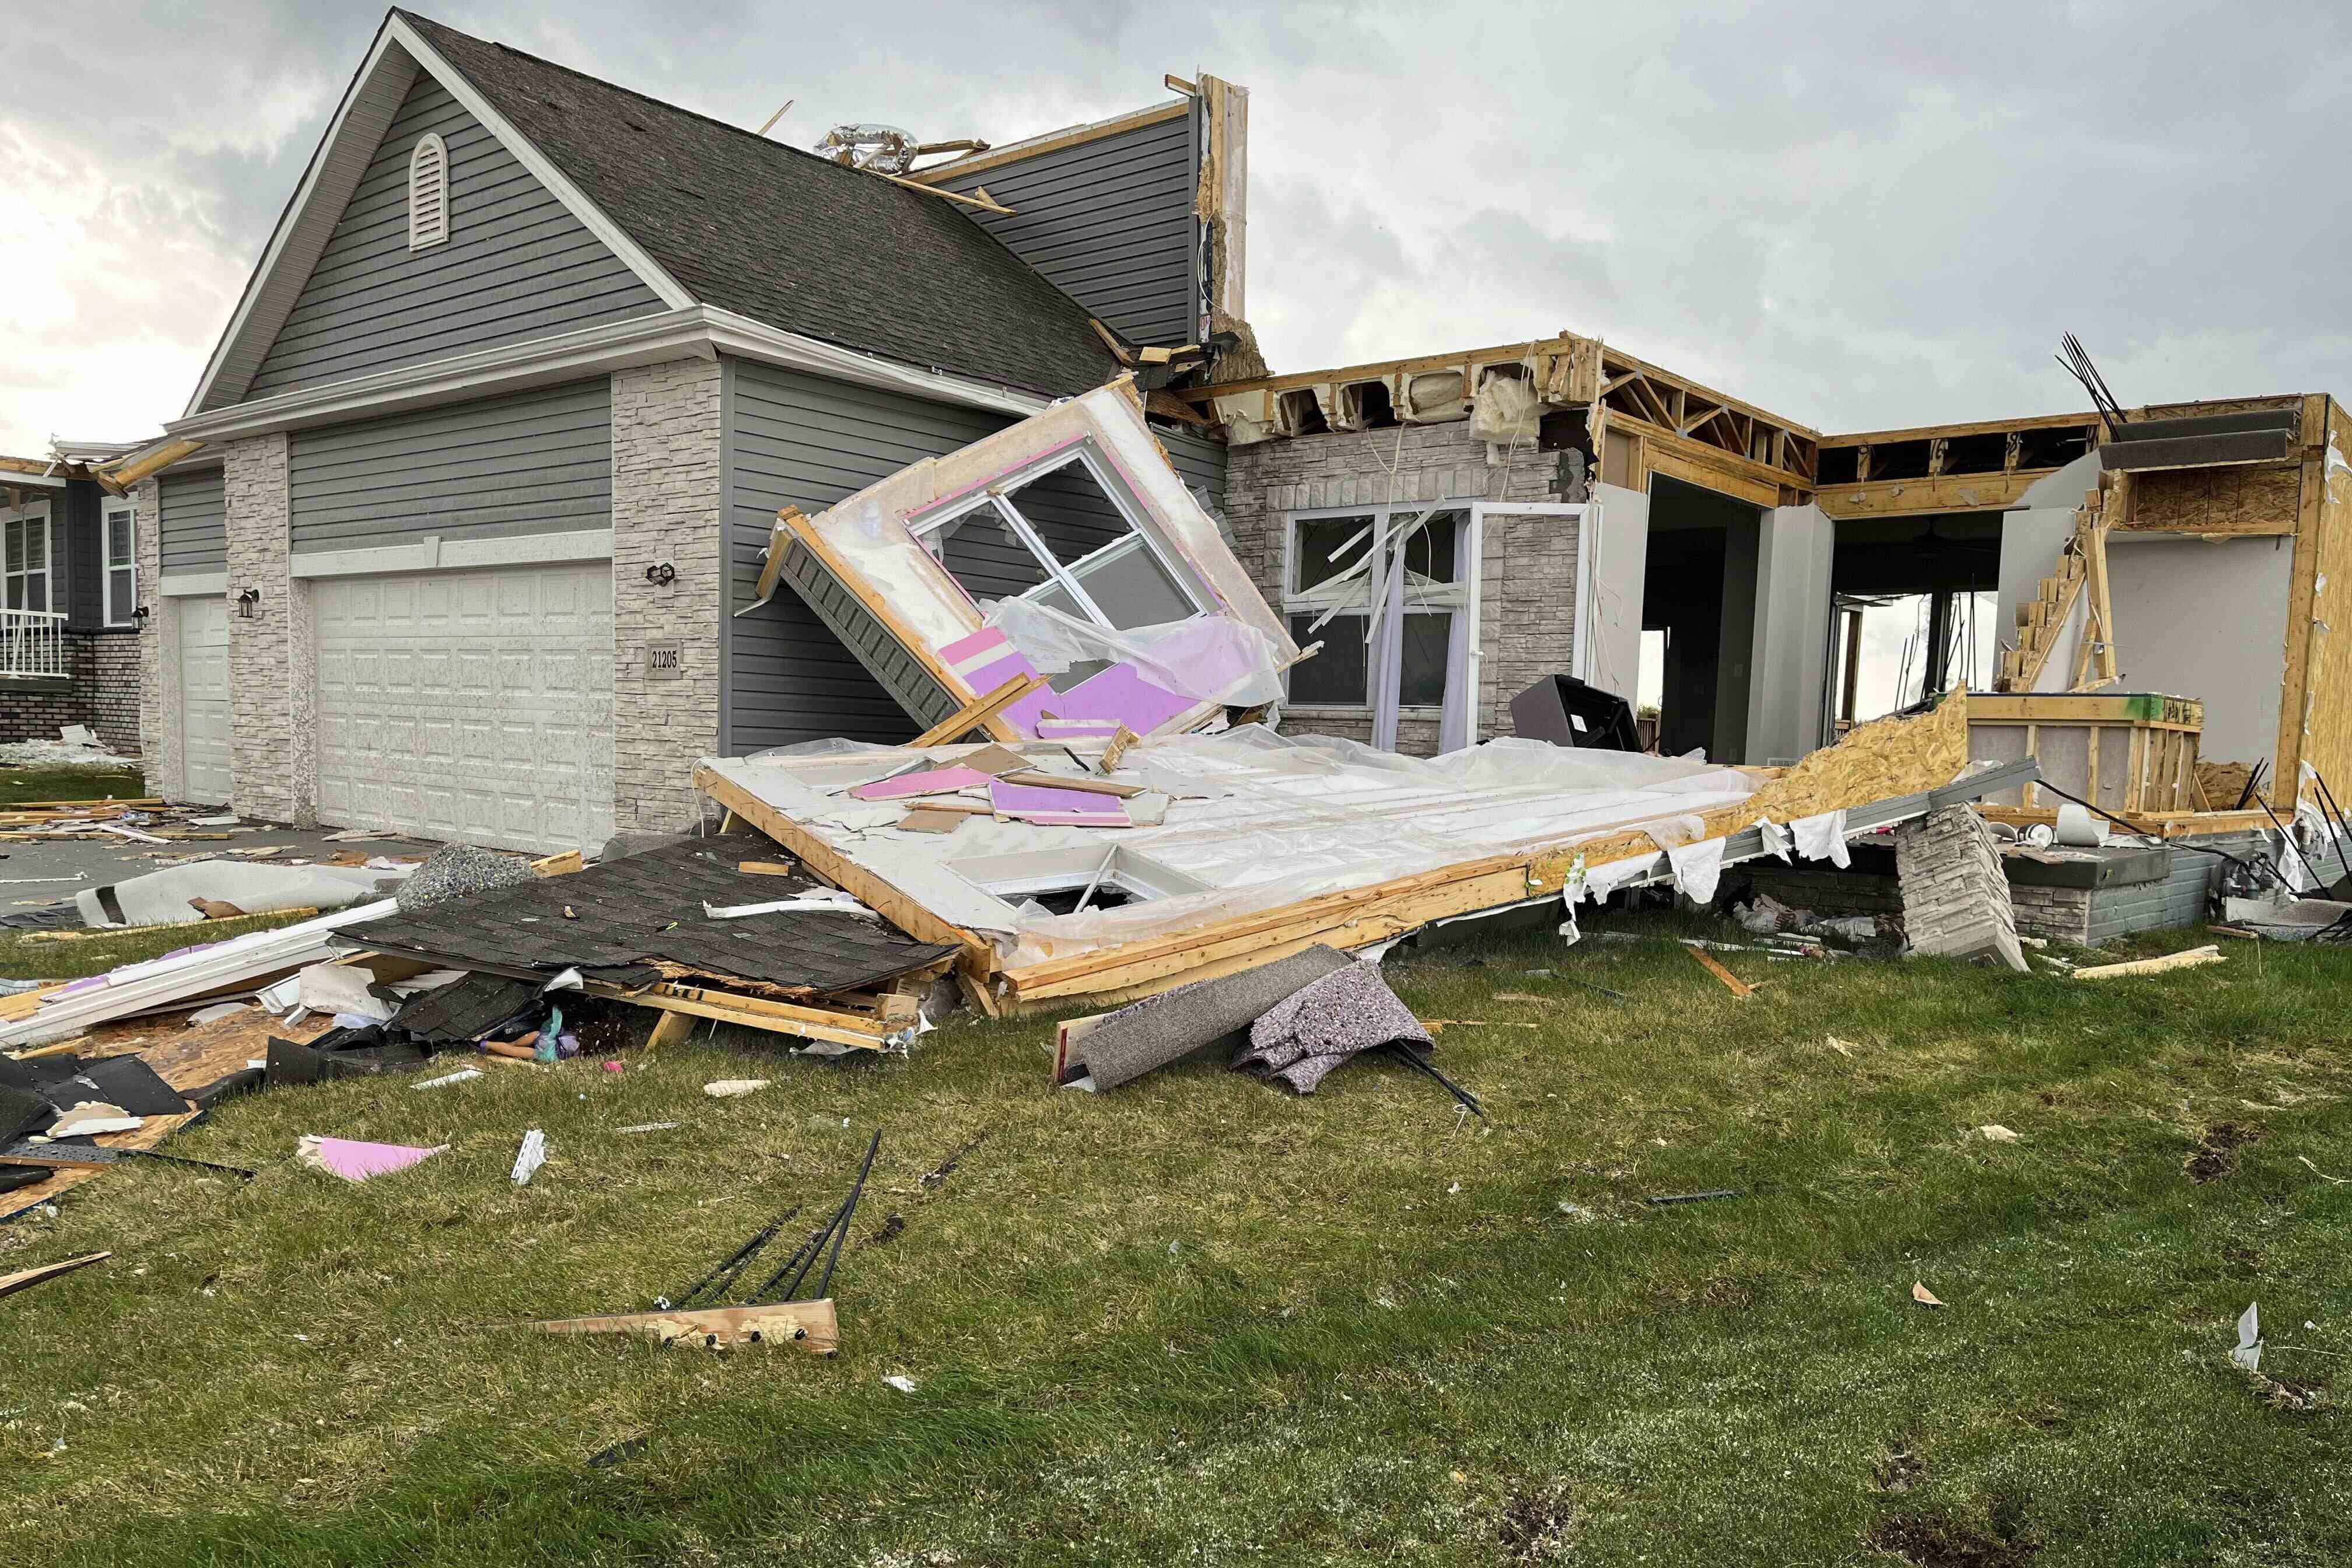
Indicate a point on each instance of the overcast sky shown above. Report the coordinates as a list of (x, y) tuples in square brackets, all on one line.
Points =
[(1857, 216)]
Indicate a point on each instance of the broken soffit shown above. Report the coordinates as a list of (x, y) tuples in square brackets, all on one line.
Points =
[(1075, 520)]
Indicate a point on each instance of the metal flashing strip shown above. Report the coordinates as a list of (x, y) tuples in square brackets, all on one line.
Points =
[(432, 553), (193, 585)]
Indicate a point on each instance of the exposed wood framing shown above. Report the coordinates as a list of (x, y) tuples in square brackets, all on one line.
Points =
[(2314, 726), (980, 199), (1943, 493), (1221, 202)]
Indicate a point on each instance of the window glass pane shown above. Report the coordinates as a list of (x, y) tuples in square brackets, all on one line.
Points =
[(1337, 674), (1131, 588), (1428, 638), (1326, 546), (15, 592), (1070, 514), (983, 552), (36, 544), (37, 591), (1058, 597), (118, 539), (118, 590), (1434, 549), (15, 545)]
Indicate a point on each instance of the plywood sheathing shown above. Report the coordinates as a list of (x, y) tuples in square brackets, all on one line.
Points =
[(2237, 501)]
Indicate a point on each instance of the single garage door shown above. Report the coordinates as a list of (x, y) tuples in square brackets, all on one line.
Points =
[(475, 706), (203, 700)]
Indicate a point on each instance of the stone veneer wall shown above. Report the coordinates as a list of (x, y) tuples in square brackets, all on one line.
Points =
[(265, 772), (668, 496), (1528, 573)]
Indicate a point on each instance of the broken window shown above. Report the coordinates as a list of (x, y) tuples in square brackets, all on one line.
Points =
[(1061, 536), (1063, 879), (1409, 560)]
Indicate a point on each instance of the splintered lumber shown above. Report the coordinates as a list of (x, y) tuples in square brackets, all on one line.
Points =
[(977, 711), (149, 1133), (26, 1278), (2189, 958), (1738, 987), (811, 1325), (765, 867), (754, 1013), (562, 865)]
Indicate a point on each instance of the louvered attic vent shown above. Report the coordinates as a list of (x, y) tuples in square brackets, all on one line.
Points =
[(428, 194)]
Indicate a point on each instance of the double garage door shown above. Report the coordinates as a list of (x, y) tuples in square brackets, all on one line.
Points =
[(468, 705)]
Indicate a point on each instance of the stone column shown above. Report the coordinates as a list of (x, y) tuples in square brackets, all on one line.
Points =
[(668, 498), (1955, 896), (159, 650), (262, 656)]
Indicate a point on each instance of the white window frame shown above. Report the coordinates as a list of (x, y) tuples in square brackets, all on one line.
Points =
[(1458, 599), (117, 614), (428, 221), (47, 574), (926, 529)]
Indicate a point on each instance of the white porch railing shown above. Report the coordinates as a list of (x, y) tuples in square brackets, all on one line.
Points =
[(32, 642)]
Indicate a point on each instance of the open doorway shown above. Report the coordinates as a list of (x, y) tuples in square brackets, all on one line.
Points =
[(1698, 615), (1916, 608)]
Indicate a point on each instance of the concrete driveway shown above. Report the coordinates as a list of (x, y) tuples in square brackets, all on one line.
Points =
[(38, 872)]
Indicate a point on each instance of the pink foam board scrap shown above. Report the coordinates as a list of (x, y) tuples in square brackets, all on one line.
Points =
[(1120, 694), (931, 780), (356, 1162), (1059, 807), (986, 660)]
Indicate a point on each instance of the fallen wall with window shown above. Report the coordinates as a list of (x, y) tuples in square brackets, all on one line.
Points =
[(1530, 565)]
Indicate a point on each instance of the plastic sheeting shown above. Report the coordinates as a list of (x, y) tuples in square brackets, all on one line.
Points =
[(1207, 657)]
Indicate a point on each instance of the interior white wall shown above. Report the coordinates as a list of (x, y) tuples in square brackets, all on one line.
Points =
[(2032, 535), (2209, 621), (1791, 661), (1620, 556)]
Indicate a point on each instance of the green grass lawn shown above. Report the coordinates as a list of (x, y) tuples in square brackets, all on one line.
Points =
[(1200, 1320), (70, 783), (41, 957)]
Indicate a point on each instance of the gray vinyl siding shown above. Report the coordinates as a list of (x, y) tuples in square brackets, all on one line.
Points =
[(808, 442), (1111, 222), (193, 531), (530, 462), (1200, 462), (516, 264)]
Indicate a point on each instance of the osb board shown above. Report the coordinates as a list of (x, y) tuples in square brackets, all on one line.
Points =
[(2222, 783), (190, 1058), (2245, 498)]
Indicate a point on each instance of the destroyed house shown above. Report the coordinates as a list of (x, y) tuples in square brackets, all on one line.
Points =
[(459, 532), (2138, 597)]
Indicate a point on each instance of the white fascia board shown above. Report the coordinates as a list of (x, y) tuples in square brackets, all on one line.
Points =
[(434, 553), (193, 585), (656, 277), (396, 56), (698, 330), (31, 481)]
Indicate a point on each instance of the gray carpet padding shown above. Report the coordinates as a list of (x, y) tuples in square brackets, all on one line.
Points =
[(1304, 1035), (1173, 1024)]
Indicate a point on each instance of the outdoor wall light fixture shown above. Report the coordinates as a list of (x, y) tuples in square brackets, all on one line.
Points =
[(139, 614), (661, 574), (247, 600)]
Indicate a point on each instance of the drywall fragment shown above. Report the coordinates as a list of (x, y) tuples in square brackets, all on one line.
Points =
[(734, 1088), (529, 1157), (2248, 1352), (1921, 1294)]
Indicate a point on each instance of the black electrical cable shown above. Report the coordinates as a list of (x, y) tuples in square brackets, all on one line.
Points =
[(849, 1213), (732, 1265), (1413, 1059), (2143, 833)]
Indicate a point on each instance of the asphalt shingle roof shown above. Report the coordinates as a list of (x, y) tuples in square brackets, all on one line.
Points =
[(787, 238)]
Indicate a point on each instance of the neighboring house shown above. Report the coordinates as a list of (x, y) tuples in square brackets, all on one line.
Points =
[(454, 534), (69, 601)]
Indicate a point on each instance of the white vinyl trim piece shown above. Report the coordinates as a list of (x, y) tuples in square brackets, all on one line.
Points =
[(428, 192), (118, 614), (193, 585), (432, 553)]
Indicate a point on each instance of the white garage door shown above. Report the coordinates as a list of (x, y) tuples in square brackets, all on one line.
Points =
[(475, 706), (203, 700)]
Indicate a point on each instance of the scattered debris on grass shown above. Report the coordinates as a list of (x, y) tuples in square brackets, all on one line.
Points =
[(1921, 1294), (1935, 1539)]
